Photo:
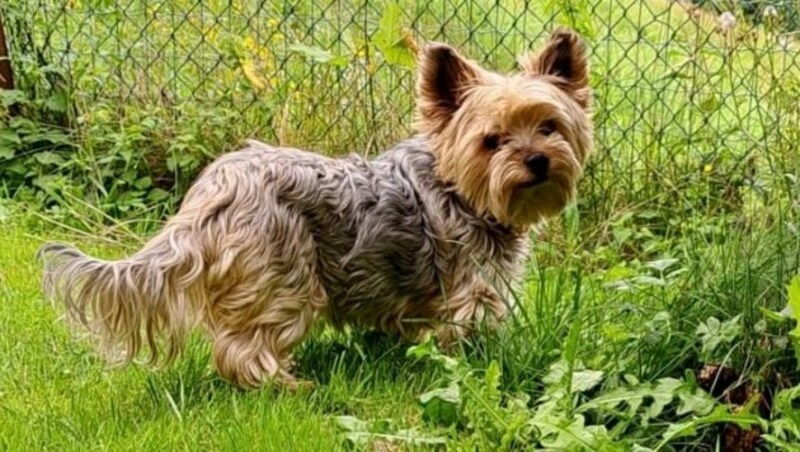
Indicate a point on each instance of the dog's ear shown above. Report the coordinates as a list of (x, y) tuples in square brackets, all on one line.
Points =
[(564, 57), (443, 77)]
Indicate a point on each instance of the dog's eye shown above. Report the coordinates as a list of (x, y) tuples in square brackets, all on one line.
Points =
[(547, 128), (491, 142)]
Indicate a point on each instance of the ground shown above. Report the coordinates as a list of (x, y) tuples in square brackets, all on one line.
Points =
[(55, 394)]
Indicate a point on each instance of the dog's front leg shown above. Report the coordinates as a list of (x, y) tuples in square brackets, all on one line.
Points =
[(469, 309)]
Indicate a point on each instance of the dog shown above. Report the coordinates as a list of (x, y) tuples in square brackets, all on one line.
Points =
[(419, 240)]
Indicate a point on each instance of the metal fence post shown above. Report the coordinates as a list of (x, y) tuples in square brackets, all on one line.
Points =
[(6, 72)]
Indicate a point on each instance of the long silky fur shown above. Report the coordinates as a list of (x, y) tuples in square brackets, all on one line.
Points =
[(126, 303)]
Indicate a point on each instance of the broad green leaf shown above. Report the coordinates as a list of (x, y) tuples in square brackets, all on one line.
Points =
[(6, 152), (351, 424), (23, 125), (774, 316), (358, 438), (662, 395), (662, 264), (49, 158), (556, 373), (424, 349), (392, 40), (719, 415), (427, 349), (52, 136), (493, 375), (57, 102), (714, 333), (143, 183), (441, 405), (794, 295), (584, 380), (657, 328), (695, 401), (10, 97), (780, 443), (619, 396), (785, 406), (361, 433), (9, 137), (580, 380), (659, 394), (680, 429), (157, 195), (794, 307), (318, 55), (48, 183), (572, 435), (638, 448)]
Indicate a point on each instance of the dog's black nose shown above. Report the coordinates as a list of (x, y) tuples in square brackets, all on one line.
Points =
[(538, 164)]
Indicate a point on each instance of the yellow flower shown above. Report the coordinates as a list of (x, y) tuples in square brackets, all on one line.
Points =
[(272, 23), (250, 43), (708, 168)]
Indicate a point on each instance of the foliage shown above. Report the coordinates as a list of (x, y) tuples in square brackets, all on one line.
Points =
[(360, 433), (785, 427), (574, 412)]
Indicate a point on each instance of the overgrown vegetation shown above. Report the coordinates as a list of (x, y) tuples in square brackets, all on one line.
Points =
[(658, 313)]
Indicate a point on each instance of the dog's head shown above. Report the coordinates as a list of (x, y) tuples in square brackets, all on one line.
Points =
[(514, 145)]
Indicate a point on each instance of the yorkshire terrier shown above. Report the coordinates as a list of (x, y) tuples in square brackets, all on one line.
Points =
[(422, 239)]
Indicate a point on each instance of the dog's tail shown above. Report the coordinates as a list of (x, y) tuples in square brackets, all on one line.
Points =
[(145, 298)]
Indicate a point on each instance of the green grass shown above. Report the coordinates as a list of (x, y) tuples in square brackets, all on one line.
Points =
[(55, 394)]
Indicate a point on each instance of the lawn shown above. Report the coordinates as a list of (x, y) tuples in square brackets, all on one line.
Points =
[(677, 259), (56, 395)]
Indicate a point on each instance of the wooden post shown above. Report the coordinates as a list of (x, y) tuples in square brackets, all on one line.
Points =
[(6, 73)]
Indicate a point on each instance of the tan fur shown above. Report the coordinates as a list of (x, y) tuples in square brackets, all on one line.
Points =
[(422, 238), (553, 85)]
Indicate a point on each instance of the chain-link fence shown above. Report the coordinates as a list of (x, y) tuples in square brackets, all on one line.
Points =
[(683, 91)]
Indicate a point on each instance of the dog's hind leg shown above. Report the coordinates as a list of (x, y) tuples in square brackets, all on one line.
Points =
[(269, 298), (256, 331)]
